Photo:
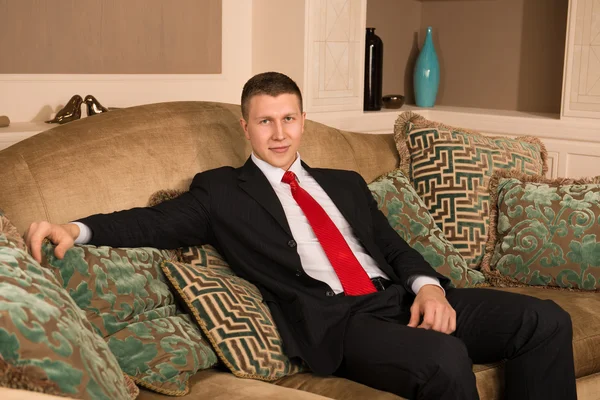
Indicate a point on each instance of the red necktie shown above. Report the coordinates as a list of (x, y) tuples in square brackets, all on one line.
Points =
[(352, 275)]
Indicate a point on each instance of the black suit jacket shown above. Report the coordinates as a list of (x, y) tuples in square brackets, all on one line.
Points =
[(238, 212)]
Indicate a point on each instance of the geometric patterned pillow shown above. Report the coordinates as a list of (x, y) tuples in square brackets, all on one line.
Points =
[(409, 217), (41, 326), (544, 232), (127, 300), (450, 169), (231, 312)]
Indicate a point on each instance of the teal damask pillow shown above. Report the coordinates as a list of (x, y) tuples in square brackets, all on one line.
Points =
[(407, 214), (126, 298), (42, 327), (544, 232)]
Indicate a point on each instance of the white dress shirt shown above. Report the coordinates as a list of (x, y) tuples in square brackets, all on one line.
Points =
[(314, 260)]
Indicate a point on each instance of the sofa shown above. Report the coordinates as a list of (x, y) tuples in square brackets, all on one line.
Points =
[(117, 160)]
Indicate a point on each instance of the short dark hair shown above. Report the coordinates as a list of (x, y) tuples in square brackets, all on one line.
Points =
[(269, 83)]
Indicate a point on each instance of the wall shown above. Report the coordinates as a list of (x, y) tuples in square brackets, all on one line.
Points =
[(497, 54), (33, 97), (278, 39), (110, 37)]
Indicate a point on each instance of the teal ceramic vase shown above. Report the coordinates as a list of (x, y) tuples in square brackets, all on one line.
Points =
[(427, 74)]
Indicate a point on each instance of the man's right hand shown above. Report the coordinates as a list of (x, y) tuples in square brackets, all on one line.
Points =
[(63, 236)]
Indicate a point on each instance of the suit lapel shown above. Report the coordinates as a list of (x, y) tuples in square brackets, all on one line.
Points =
[(256, 184)]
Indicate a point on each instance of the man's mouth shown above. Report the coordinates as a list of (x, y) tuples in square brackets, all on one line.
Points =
[(281, 149)]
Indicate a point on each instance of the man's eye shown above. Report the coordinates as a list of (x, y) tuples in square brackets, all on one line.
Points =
[(264, 121), (288, 119)]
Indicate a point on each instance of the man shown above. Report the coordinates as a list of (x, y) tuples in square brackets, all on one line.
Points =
[(349, 296)]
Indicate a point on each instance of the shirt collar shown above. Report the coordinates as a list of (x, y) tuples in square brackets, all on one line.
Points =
[(275, 174)]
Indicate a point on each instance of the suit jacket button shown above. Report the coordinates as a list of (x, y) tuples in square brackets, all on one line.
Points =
[(292, 243), (330, 293), (298, 273)]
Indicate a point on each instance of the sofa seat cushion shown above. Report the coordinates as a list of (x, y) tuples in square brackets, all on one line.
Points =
[(584, 308), (220, 385)]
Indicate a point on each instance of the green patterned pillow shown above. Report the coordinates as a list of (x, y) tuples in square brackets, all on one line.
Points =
[(42, 326), (127, 300), (407, 214), (231, 312), (544, 232), (450, 169)]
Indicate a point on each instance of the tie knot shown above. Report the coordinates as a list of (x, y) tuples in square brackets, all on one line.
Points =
[(289, 177)]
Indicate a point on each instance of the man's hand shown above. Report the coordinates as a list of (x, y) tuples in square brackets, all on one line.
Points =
[(63, 236), (437, 313)]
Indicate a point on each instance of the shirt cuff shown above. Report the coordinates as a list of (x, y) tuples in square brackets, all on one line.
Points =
[(85, 233), (421, 280)]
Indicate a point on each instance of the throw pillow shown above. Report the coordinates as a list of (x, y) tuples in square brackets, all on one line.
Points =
[(231, 312), (128, 302), (42, 326), (407, 214), (544, 232), (450, 169)]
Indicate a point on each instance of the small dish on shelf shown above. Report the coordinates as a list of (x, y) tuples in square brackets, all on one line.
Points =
[(393, 101)]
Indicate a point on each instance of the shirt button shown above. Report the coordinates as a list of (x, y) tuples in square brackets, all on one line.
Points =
[(292, 243), (330, 293)]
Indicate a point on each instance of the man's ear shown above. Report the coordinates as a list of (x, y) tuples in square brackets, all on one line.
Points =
[(244, 126)]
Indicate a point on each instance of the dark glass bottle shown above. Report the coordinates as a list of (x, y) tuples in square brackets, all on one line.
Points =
[(373, 71)]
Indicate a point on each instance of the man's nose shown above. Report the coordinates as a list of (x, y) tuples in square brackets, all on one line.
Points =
[(278, 131)]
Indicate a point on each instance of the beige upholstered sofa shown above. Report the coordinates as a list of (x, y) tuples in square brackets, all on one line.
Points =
[(117, 160)]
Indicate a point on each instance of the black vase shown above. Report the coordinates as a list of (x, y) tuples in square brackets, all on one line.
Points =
[(373, 71)]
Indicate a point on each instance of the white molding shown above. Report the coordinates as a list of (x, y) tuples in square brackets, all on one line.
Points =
[(34, 97), (498, 122)]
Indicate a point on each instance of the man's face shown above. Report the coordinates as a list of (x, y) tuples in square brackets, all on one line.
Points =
[(274, 128)]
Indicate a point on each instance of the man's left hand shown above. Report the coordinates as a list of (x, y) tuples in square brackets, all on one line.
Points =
[(437, 313)]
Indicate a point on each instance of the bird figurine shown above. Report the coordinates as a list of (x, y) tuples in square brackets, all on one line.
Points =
[(68, 113), (93, 106)]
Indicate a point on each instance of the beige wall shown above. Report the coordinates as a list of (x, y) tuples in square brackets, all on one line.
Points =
[(397, 23), (498, 54), (110, 37), (278, 37)]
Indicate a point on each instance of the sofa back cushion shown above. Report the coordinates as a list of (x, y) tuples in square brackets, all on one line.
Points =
[(115, 160)]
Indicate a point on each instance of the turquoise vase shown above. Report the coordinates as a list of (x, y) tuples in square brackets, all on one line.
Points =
[(427, 74)]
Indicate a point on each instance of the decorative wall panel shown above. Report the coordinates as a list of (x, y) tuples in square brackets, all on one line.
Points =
[(335, 37), (582, 78)]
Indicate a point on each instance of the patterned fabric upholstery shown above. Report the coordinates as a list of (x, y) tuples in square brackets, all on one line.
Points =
[(10, 231), (42, 326), (127, 300), (407, 214), (232, 314), (450, 169), (544, 232)]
